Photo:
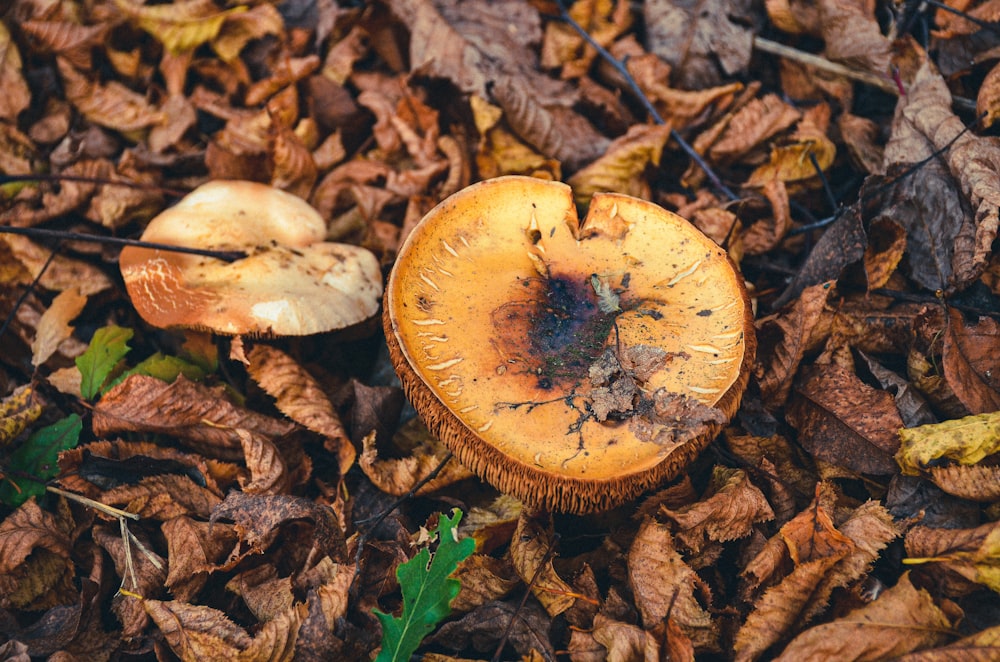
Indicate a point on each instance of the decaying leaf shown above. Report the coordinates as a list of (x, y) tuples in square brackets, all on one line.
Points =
[(532, 551), (970, 362), (966, 441), (972, 553), (844, 421), (399, 475), (901, 620)]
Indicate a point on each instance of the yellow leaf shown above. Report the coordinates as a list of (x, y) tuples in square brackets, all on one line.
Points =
[(180, 26), (621, 168), (966, 440), (17, 411)]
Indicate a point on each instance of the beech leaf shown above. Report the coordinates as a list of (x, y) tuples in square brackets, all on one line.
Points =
[(106, 349), (427, 591), (965, 440)]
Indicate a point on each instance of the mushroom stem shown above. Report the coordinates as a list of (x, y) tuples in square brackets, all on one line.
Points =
[(42, 233)]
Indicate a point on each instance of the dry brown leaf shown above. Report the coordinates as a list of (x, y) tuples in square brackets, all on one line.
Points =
[(398, 476), (268, 473), (194, 548), (54, 326), (768, 232), (988, 99), (16, 95), (974, 162), (526, 628), (63, 272), (728, 510), (663, 584), (778, 612), (112, 105), (624, 642), (621, 168), (844, 421), (976, 483), (181, 409), (972, 553), (531, 552), (751, 126), (141, 572), (265, 593), (698, 40), (793, 163), (299, 396), (35, 558), (484, 579), (72, 41), (195, 633), (258, 521), (783, 339), (886, 245), (970, 362), (860, 135), (983, 646), (163, 497), (901, 620)]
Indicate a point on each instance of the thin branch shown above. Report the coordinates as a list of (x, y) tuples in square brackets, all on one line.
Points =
[(42, 233), (620, 67), (24, 295)]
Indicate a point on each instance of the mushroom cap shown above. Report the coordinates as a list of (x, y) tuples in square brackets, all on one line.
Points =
[(291, 283), (572, 365)]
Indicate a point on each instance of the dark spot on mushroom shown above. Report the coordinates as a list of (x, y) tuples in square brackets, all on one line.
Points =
[(424, 304), (704, 313)]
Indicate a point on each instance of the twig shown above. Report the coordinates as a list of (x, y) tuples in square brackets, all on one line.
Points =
[(24, 295), (43, 233), (620, 67), (520, 605), (366, 536)]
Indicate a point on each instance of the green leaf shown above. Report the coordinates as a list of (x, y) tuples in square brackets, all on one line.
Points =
[(427, 592), (163, 367), (38, 456), (106, 349)]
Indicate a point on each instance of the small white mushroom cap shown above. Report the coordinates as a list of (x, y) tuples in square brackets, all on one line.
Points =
[(291, 282)]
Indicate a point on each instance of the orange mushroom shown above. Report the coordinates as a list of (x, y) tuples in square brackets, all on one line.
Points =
[(291, 282), (572, 365)]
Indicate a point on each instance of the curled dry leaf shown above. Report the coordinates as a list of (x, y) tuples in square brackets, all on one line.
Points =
[(974, 162), (299, 396), (484, 579), (664, 585), (113, 105), (181, 409), (35, 555), (263, 591), (976, 482), (397, 476), (16, 96), (728, 511), (195, 632), (752, 125), (844, 421), (268, 474), (970, 362), (258, 521), (526, 627), (901, 620), (54, 326), (972, 553), (621, 166), (624, 642), (194, 548), (783, 340), (793, 162), (531, 552)]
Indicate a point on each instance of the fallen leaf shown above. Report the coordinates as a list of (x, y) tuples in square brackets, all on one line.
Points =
[(148, 404), (624, 642), (976, 482), (844, 421), (195, 632), (972, 553), (728, 510), (527, 627), (966, 441), (970, 362), (665, 585), (901, 620), (621, 167), (193, 548), (17, 411), (698, 40), (532, 551), (17, 95), (424, 453), (299, 396), (112, 105), (783, 339), (54, 326)]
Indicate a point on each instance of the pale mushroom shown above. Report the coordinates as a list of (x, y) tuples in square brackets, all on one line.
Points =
[(292, 282), (572, 365)]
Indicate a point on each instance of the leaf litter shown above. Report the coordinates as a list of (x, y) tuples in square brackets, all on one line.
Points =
[(156, 500)]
